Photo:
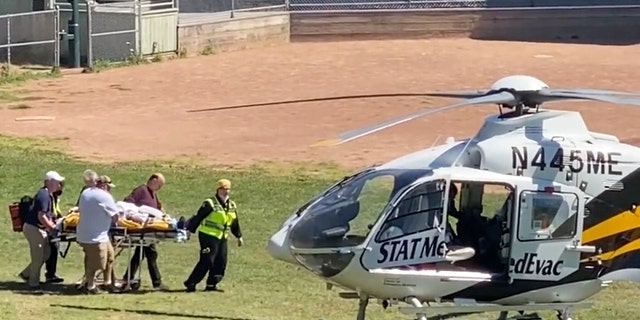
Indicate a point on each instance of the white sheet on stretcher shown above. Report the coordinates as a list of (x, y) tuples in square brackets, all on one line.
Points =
[(143, 212), (129, 210)]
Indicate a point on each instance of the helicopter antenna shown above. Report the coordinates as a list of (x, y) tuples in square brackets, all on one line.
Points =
[(466, 145), (434, 141)]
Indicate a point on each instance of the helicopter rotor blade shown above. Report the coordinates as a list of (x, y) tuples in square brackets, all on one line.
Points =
[(458, 94), (596, 91), (454, 94), (589, 94), (497, 98)]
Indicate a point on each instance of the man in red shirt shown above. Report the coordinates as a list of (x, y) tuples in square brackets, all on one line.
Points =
[(146, 194)]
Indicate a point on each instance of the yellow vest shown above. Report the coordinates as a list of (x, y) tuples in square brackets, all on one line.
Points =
[(56, 208), (218, 222)]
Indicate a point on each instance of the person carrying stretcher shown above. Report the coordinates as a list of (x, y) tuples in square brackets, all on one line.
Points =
[(215, 218), (146, 194), (98, 212)]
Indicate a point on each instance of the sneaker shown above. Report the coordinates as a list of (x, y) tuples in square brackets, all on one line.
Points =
[(110, 288), (190, 287), (213, 288), (132, 286), (161, 287), (93, 290), (54, 279)]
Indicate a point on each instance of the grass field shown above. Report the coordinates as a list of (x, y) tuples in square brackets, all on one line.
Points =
[(257, 287)]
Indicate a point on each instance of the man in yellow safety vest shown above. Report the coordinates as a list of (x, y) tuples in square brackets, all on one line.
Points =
[(215, 218), (51, 265)]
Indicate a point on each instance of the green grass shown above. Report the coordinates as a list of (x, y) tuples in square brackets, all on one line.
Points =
[(257, 287), (12, 76)]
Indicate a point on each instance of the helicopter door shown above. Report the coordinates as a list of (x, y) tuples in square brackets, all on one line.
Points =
[(546, 245), (412, 232)]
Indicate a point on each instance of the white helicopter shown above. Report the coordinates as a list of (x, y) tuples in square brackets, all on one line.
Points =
[(545, 216)]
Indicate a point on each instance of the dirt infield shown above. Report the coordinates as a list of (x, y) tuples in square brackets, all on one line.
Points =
[(140, 112)]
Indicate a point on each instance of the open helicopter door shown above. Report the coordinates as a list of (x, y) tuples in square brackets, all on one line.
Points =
[(548, 224), (412, 233)]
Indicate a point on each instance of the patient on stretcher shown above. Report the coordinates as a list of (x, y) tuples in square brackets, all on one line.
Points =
[(132, 218)]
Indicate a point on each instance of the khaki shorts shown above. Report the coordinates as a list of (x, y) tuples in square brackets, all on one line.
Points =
[(98, 255)]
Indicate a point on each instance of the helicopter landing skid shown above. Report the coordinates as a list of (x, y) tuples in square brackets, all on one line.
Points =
[(564, 310)]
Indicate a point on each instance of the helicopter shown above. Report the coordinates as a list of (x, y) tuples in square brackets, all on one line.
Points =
[(545, 212)]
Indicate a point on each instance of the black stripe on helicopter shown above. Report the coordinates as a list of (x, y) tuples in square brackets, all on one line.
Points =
[(593, 162)]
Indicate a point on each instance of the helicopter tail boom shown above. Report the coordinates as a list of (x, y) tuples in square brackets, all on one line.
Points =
[(613, 226)]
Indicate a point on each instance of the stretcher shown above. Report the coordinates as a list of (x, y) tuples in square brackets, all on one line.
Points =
[(126, 235)]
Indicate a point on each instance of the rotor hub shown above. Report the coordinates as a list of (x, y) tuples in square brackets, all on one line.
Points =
[(519, 83)]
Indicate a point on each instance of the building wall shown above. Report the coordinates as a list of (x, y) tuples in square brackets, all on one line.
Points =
[(250, 31), (582, 25)]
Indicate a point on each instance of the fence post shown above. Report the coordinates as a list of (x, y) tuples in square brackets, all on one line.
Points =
[(139, 29), (56, 35), (89, 5), (9, 40), (233, 7)]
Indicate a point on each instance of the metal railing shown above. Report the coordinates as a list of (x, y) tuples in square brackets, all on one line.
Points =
[(192, 13), (38, 28), (338, 5)]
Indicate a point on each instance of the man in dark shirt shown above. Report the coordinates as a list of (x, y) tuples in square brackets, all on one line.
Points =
[(37, 224), (146, 194), (213, 248), (51, 265)]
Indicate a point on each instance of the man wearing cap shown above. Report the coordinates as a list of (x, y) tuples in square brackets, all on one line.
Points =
[(146, 194), (98, 211), (37, 224), (51, 265), (215, 218)]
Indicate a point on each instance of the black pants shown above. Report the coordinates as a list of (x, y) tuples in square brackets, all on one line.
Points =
[(52, 263), (151, 254), (213, 260)]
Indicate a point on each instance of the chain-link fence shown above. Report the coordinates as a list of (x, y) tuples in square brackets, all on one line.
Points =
[(114, 32), (30, 38), (120, 30), (324, 5)]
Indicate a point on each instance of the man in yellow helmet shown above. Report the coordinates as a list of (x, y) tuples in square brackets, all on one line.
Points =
[(215, 218)]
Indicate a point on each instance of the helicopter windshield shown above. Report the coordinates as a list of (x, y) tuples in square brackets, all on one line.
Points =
[(344, 214)]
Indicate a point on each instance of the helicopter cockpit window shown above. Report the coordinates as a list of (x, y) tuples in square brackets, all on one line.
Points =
[(546, 215), (419, 210), (342, 216)]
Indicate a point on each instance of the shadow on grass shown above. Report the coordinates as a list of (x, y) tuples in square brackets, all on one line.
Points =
[(147, 312), (18, 287), (531, 316)]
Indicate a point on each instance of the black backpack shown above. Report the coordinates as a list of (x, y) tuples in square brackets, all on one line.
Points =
[(25, 206)]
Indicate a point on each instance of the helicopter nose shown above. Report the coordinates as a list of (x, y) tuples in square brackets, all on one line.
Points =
[(278, 247)]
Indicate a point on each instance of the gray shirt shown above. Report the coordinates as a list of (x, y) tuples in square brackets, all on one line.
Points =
[(97, 208)]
